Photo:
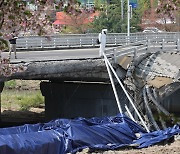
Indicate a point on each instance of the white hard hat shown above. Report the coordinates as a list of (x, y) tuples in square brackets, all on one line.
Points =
[(104, 30)]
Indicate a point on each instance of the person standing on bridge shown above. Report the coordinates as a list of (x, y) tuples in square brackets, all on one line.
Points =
[(102, 41), (12, 42)]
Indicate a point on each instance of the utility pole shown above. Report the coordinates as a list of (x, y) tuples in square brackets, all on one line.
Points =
[(128, 19), (122, 9)]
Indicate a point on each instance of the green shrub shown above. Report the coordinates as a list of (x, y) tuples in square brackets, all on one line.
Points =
[(26, 102)]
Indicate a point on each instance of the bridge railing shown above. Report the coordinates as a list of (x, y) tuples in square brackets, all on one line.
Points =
[(145, 46), (87, 40)]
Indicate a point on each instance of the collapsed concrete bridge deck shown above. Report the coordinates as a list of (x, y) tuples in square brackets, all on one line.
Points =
[(81, 87)]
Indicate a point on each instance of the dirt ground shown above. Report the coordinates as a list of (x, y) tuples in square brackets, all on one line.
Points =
[(173, 148), (32, 116)]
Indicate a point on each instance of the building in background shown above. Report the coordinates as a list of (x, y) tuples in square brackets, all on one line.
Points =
[(80, 21)]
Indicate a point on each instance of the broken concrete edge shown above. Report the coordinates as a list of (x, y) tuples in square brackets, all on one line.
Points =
[(87, 69), (143, 70)]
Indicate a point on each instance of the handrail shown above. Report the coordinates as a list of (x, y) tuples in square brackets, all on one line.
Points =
[(152, 45), (88, 40)]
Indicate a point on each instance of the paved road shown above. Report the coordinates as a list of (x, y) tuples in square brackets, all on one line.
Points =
[(54, 54)]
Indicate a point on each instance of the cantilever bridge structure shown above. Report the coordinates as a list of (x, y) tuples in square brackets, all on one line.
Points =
[(147, 64)]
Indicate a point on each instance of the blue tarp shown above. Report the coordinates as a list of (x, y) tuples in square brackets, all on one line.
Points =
[(64, 135)]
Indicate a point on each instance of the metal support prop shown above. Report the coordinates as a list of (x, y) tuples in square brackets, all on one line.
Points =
[(113, 86), (127, 95), (149, 110), (130, 115)]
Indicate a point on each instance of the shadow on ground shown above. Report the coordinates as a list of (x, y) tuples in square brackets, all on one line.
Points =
[(11, 118)]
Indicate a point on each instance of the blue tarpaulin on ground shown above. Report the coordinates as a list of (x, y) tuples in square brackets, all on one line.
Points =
[(64, 135)]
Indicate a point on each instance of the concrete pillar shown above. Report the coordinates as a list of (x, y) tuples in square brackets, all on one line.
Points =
[(1, 89), (72, 100)]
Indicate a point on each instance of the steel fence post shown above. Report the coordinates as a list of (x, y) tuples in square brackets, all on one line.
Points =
[(41, 43), (80, 42), (163, 45), (26, 43), (115, 55), (148, 44), (54, 42), (178, 45)]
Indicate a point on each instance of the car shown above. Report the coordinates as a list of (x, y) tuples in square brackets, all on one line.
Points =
[(152, 30)]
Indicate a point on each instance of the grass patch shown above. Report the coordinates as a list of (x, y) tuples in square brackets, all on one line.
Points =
[(21, 100), (10, 84), (27, 102)]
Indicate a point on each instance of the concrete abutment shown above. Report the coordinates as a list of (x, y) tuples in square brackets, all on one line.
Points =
[(79, 99)]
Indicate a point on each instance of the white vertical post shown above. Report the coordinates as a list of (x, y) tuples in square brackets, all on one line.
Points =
[(163, 45), (178, 45), (113, 86), (26, 43), (54, 42), (130, 115), (41, 42), (80, 42), (122, 9), (115, 55), (128, 19), (68, 44)]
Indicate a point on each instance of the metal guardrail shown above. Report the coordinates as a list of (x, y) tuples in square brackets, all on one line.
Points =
[(87, 40), (142, 47)]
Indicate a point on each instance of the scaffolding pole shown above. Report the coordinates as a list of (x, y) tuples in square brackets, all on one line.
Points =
[(129, 98), (113, 86), (129, 113)]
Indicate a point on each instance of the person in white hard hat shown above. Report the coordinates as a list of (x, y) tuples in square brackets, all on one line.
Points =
[(102, 41)]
